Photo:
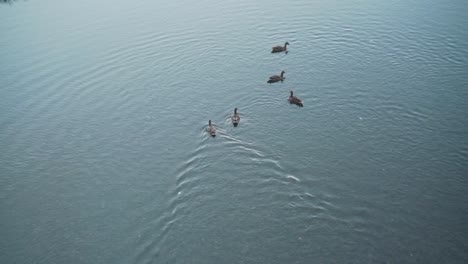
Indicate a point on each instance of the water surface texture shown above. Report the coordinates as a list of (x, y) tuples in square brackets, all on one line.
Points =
[(105, 157)]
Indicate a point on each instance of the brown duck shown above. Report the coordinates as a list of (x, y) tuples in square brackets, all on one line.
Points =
[(277, 78), (278, 48), (235, 118), (294, 100), (211, 129)]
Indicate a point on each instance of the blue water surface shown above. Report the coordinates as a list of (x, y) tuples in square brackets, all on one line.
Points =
[(105, 156)]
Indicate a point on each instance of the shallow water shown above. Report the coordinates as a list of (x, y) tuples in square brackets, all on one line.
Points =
[(105, 157)]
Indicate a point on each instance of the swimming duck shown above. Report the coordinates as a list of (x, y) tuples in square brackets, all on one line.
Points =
[(280, 48), (211, 129), (277, 78), (294, 100), (235, 118)]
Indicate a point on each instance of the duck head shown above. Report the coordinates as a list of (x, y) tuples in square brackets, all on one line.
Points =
[(235, 110), (209, 122)]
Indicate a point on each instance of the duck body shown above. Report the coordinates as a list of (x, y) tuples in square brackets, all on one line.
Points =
[(294, 100), (277, 78), (235, 118), (278, 48), (211, 129)]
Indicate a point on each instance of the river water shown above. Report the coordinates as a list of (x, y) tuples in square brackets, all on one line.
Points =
[(105, 156)]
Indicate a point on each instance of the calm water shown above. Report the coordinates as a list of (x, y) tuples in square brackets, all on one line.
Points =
[(105, 158)]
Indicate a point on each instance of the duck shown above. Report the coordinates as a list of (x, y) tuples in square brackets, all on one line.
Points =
[(294, 100), (277, 78), (211, 129), (278, 48), (235, 118)]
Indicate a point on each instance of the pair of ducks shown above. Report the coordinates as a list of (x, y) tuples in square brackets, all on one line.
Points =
[(235, 118), (280, 78), (276, 49)]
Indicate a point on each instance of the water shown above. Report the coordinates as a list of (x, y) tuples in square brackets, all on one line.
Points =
[(105, 158)]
